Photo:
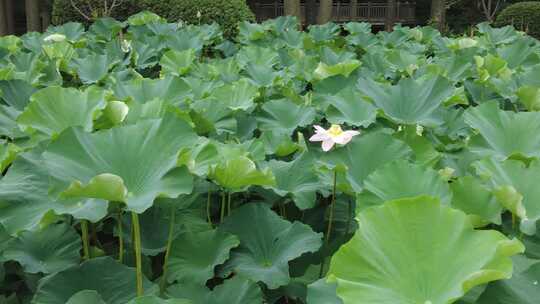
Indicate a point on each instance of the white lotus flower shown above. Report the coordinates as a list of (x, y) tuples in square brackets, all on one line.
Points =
[(199, 15), (332, 136), (55, 38)]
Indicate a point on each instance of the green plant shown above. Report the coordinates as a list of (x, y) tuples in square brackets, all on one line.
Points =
[(524, 16), (329, 166), (85, 11), (227, 13)]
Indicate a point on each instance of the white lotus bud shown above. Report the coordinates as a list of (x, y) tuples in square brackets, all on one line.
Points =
[(126, 46), (419, 130)]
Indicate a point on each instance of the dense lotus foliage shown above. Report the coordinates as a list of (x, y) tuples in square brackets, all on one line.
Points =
[(153, 162)]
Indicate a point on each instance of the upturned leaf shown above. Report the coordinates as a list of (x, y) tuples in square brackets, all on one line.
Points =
[(394, 248), (133, 164)]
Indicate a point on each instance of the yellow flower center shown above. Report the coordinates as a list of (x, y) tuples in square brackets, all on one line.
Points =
[(335, 130)]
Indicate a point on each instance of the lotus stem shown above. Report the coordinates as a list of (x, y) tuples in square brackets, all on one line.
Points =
[(120, 239), (208, 205), (138, 252), (86, 241), (349, 213), (163, 282), (330, 221), (229, 204), (331, 216), (223, 202), (95, 238)]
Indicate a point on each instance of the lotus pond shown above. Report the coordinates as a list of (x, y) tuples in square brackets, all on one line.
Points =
[(154, 162)]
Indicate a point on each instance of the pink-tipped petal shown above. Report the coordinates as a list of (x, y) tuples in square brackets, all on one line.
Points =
[(343, 139), (352, 133), (318, 137), (319, 129), (327, 145)]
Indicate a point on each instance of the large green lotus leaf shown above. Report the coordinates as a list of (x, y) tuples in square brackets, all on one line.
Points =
[(233, 291), (24, 199), (321, 292), (177, 63), (132, 164), (195, 255), (410, 101), (238, 95), (365, 153), (267, 244), (212, 115), (48, 250), (144, 18), (517, 53), (146, 52), (495, 36), (92, 68), (72, 30), (185, 39), (522, 288), (240, 172), (261, 75), (348, 107), (156, 300), (16, 93), (257, 55), (401, 179), (55, 109), (86, 297), (105, 28), (503, 133), (418, 251), (170, 89), (344, 68), (298, 179), (284, 116), (475, 199), (515, 187), (114, 282)]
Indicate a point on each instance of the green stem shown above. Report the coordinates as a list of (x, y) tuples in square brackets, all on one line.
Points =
[(330, 221), (163, 282), (229, 204), (138, 254), (95, 238), (120, 239), (350, 216), (86, 242), (222, 215), (208, 205), (331, 216)]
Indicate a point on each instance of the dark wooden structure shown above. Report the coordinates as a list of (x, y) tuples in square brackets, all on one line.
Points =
[(374, 12)]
